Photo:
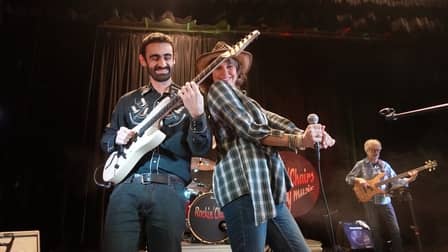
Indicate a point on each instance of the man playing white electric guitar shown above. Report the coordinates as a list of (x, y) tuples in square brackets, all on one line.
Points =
[(148, 197)]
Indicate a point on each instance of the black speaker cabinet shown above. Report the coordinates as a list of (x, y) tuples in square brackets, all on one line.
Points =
[(20, 241)]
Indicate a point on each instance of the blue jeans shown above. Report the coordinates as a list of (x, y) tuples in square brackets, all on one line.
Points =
[(281, 233), (156, 209), (383, 214)]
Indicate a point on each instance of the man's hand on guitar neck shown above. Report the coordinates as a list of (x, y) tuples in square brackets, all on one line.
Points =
[(192, 99), (412, 176)]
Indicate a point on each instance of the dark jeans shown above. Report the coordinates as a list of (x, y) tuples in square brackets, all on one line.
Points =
[(281, 233), (383, 214), (156, 209)]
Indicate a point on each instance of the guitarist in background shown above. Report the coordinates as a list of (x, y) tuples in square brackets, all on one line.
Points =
[(151, 199), (379, 209)]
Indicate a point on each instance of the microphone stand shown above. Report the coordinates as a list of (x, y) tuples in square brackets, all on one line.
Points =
[(324, 197), (414, 226), (314, 119), (389, 113)]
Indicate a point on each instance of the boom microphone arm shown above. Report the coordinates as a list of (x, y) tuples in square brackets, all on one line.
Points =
[(389, 113)]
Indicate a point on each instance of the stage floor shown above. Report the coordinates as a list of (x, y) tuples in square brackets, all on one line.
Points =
[(315, 246)]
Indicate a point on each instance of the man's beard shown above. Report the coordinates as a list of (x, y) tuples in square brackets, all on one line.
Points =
[(160, 77)]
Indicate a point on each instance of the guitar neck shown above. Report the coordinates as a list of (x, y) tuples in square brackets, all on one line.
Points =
[(175, 100), (165, 107), (234, 51), (160, 111), (208, 70), (402, 175)]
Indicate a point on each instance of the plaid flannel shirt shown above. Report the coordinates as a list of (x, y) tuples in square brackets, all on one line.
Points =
[(245, 166)]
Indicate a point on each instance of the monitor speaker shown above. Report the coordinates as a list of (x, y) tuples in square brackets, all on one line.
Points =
[(359, 238)]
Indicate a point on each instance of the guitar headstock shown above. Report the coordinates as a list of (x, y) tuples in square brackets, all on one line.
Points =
[(241, 45), (230, 52), (430, 165)]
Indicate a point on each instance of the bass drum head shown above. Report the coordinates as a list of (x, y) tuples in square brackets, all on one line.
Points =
[(205, 219)]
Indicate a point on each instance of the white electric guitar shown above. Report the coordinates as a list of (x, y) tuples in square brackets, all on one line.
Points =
[(148, 134)]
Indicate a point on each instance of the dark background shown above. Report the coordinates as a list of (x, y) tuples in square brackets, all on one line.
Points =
[(47, 144)]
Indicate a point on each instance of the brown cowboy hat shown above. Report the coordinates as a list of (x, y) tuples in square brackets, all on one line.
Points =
[(244, 58)]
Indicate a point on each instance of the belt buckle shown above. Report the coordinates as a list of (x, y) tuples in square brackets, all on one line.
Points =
[(146, 181), (136, 178), (156, 178)]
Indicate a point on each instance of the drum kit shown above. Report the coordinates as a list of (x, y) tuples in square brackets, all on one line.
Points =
[(204, 218)]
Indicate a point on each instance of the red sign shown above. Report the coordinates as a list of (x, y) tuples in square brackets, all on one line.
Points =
[(303, 196)]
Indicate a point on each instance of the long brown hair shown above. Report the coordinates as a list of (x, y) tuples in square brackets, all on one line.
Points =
[(240, 82)]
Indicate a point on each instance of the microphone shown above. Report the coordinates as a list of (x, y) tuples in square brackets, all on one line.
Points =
[(313, 119), (388, 113)]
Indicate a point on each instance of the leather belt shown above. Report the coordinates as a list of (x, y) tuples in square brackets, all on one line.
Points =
[(158, 178)]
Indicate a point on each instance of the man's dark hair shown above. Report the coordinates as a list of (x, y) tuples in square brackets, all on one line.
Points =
[(155, 37)]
